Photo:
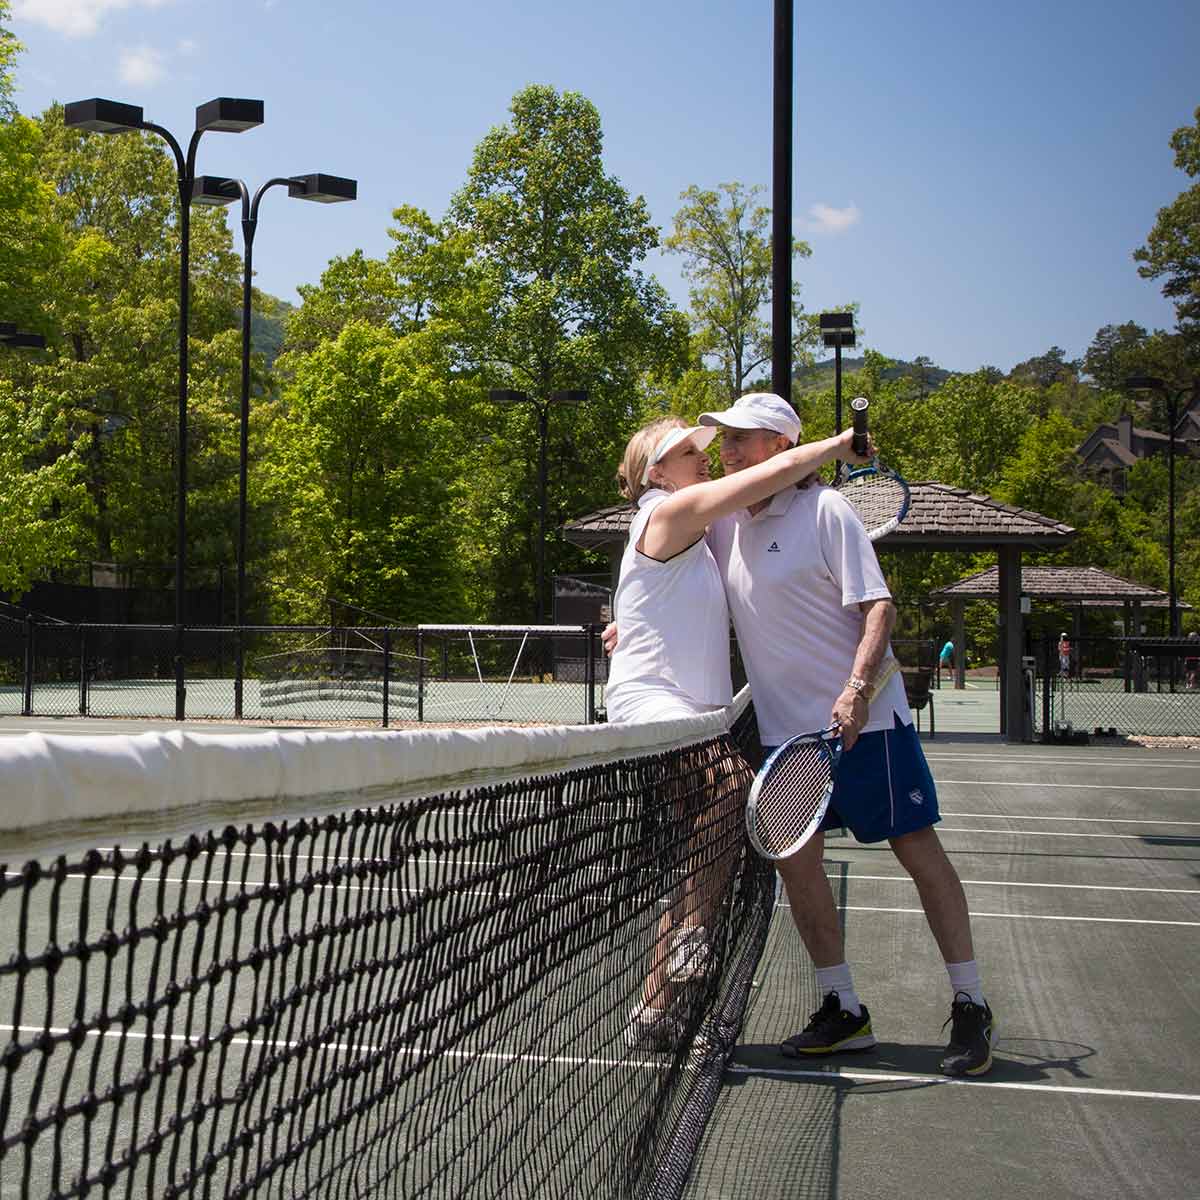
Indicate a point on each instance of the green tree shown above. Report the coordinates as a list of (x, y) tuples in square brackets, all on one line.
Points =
[(724, 239), (552, 296), (364, 508), (112, 309), (30, 240), (1172, 249), (43, 502)]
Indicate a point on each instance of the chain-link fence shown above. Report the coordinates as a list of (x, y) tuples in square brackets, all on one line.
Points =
[(371, 675), (1114, 685)]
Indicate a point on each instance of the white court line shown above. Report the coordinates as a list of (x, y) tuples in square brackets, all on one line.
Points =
[(1166, 838), (1074, 887), (1086, 820), (973, 913), (354, 1048), (1139, 763), (835, 1074), (1045, 786)]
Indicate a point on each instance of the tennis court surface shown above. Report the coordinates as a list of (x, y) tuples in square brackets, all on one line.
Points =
[(432, 1001), (1082, 872)]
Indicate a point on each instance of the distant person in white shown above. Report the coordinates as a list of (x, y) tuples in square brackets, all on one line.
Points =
[(673, 657)]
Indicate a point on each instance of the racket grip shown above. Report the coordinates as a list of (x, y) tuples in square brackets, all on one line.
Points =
[(859, 406)]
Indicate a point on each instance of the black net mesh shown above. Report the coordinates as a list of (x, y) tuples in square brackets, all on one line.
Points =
[(427, 998)]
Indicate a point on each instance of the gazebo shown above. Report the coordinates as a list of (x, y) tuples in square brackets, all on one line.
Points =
[(940, 518), (1078, 587)]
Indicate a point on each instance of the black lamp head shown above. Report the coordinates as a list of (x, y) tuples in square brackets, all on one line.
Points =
[(103, 116), (1145, 383), (324, 189), (214, 191), (226, 114), (507, 396)]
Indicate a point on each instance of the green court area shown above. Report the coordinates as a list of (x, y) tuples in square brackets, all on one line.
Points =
[(360, 700)]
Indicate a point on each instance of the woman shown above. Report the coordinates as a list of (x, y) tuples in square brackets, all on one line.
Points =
[(672, 660)]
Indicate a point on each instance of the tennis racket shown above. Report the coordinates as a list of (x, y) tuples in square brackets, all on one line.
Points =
[(791, 791), (879, 496)]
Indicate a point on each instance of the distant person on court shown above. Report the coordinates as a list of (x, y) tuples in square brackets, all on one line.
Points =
[(1191, 664), (946, 657), (673, 657), (1064, 655), (814, 616)]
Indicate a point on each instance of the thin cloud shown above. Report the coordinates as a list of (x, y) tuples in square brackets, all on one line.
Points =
[(826, 219), (75, 18), (142, 66)]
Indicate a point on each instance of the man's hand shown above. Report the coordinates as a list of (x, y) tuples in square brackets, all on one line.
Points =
[(849, 712), (608, 638)]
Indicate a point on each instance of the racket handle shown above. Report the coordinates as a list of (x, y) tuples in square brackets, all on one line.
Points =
[(859, 406)]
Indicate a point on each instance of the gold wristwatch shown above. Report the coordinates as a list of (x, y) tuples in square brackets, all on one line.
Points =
[(862, 686)]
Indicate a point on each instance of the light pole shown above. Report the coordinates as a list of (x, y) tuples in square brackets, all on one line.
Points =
[(837, 330), (512, 396), (213, 191), (222, 115), (1148, 383), (781, 203)]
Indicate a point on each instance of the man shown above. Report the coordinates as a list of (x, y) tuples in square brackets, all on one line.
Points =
[(946, 657), (813, 617)]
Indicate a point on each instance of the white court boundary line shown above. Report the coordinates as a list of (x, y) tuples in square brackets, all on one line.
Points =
[(1081, 820), (1007, 916), (352, 1048), (1165, 838), (1145, 759), (839, 1074), (1075, 887), (1045, 786)]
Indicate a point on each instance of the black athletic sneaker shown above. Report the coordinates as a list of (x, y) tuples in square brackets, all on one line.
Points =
[(970, 1048), (830, 1030)]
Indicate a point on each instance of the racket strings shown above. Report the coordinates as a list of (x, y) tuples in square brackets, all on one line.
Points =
[(877, 497), (792, 795)]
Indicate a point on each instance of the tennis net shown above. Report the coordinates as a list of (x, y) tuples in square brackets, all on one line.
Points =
[(435, 996)]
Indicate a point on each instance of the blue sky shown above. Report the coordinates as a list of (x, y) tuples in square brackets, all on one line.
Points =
[(974, 175)]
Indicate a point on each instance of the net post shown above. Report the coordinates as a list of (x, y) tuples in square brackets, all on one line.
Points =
[(589, 678), (27, 690), (1046, 680), (239, 669), (387, 673), (83, 671), (420, 676)]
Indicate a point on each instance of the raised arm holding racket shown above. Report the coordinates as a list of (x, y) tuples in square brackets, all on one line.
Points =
[(878, 495)]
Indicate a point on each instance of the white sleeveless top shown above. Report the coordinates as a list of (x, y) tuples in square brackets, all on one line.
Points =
[(672, 630)]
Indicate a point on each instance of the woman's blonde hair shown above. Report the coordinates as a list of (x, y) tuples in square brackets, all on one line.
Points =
[(637, 454)]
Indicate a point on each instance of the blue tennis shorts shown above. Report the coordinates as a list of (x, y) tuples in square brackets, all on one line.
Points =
[(884, 788)]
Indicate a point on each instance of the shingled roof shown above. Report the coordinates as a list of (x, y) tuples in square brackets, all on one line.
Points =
[(1079, 585), (940, 516)]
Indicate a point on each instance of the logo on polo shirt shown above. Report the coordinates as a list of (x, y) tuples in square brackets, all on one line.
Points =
[(773, 548), (916, 796)]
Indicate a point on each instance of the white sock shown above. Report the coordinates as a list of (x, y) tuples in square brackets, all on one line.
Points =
[(964, 977), (838, 979)]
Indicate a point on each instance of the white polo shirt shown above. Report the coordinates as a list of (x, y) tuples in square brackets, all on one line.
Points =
[(794, 576), (674, 629)]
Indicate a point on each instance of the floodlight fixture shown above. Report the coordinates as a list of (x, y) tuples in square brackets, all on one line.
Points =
[(323, 189), (214, 191), (226, 114), (103, 116)]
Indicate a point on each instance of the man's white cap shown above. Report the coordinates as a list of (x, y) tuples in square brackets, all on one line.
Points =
[(758, 410), (668, 442)]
